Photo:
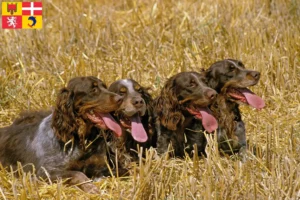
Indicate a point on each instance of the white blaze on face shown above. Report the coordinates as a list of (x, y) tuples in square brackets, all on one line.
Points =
[(137, 130), (127, 104), (129, 85)]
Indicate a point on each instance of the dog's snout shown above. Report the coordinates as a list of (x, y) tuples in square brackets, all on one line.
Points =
[(255, 74), (211, 94), (138, 102), (118, 99)]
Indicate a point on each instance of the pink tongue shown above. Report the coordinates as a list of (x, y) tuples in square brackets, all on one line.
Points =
[(253, 100), (137, 130), (111, 123), (209, 122)]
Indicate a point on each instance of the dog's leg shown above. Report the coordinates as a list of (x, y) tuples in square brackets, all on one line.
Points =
[(75, 178)]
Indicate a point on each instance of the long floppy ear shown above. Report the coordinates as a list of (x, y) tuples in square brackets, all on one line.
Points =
[(148, 99), (148, 118), (168, 108), (63, 120)]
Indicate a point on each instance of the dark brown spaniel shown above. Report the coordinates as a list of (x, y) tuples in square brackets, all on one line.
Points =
[(68, 142), (182, 102), (230, 79), (134, 115)]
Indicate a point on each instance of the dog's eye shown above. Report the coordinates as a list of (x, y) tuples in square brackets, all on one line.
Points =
[(94, 89), (231, 68), (138, 88), (122, 91), (192, 83)]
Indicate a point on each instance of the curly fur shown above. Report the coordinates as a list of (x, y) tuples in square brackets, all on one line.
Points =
[(186, 89), (221, 76), (168, 108), (64, 121), (65, 142)]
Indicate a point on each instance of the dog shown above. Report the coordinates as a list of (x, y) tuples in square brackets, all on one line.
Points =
[(68, 142), (231, 80), (183, 101), (135, 116)]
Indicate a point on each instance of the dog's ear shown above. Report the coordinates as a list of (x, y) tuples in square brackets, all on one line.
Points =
[(171, 120), (63, 120), (150, 118), (167, 107), (146, 95), (148, 100)]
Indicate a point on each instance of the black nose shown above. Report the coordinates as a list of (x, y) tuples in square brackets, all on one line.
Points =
[(211, 94), (118, 99), (255, 74), (138, 102)]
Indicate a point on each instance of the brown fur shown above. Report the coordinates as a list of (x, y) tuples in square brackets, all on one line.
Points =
[(136, 100), (65, 142), (222, 76), (182, 91)]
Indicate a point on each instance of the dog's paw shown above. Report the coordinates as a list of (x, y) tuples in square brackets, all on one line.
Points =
[(90, 188)]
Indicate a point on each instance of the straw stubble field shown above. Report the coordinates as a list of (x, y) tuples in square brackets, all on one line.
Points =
[(150, 41)]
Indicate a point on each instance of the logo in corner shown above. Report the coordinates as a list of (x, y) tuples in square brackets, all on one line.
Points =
[(22, 15)]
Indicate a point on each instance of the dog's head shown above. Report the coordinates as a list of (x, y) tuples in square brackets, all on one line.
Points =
[(229, 77), (183, 92), (85, 103), (135, 106)]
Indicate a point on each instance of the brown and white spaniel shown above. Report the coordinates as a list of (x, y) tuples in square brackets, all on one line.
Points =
[(68, 142), (135, 116)]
